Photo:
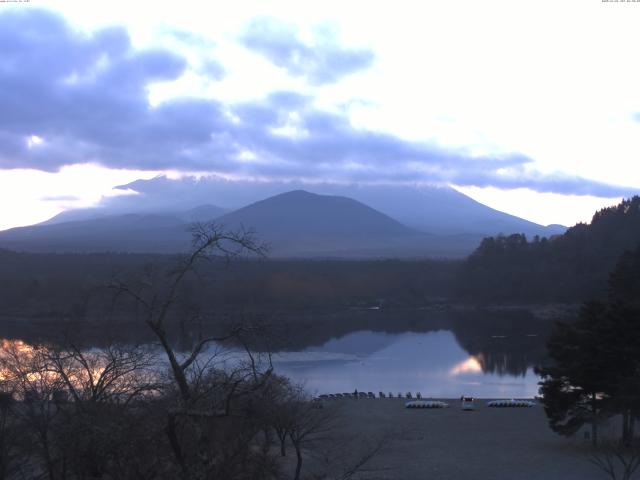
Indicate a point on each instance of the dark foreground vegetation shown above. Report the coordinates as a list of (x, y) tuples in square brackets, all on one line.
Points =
[(125, 412), (595, 372), (66, 413), (593, 376)]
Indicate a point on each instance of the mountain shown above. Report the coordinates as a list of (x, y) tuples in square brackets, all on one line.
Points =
[(566, 268), (442, 211), (301, 212), (200, 213), (95, 230), (299, 223), (438, 210), (294, 224), (140, 233)]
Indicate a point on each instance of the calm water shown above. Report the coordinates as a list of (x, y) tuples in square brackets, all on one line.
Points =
[(482, 353), (432, 363)]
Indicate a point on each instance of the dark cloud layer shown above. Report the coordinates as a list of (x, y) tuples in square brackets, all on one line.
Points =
[(324, 62), (85, 96)]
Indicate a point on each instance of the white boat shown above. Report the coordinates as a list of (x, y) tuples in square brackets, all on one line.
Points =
[(426, 404), (467, 403)]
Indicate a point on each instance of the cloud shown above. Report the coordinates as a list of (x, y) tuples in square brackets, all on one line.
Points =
[(543, 183), (70, 98), (189, 41), (322, 62), (212, 69), (83, 96), (60, 198)]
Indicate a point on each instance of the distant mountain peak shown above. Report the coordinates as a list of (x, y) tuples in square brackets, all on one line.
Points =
[(298, 192), (335, 219)]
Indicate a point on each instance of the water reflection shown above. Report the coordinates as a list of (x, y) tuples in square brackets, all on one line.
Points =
[(439, 353), (432, 363), (470, 365)]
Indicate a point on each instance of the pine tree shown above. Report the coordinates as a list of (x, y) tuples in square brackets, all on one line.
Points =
[(596, 360), (573, 387)]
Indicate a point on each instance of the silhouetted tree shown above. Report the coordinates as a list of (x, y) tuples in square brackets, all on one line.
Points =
[(11, 436), (596, 360), (616, 460), (572, 388)]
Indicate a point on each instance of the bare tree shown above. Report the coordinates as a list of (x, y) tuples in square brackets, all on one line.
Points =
[(11, 462), (215, 419), (315, 430), (209, 241), (114, 374), (74, 406), (113, 412), (308, 425), (617, 460), (281, 417), (25, 370)]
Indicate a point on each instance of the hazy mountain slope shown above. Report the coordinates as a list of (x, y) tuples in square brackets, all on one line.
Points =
[(122, 233), (438, 210), (297, 223), (78, 215), (200, 213), (443, 210)]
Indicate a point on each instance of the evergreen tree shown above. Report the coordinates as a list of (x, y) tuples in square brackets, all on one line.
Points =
[(596, 360), (572, 388), (563, 268)]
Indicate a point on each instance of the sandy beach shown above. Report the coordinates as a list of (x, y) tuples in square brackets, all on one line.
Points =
[(451, 444)]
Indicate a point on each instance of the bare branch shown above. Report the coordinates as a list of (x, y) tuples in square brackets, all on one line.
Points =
[(198, 348)]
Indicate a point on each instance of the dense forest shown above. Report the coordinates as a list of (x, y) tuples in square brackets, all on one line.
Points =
[(563, 268), (64, 285)]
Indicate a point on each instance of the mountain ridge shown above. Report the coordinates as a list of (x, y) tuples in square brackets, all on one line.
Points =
[(436, 209), (296, 223)]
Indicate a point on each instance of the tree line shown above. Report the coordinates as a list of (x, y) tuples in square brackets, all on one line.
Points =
[(67, 285), (564, 268)]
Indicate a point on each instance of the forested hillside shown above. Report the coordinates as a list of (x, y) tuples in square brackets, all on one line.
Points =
[(567, 268), (72, 285)]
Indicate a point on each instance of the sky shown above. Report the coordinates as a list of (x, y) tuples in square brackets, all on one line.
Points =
[(531, 107)]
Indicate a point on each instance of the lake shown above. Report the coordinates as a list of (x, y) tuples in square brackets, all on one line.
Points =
[(479, 352)]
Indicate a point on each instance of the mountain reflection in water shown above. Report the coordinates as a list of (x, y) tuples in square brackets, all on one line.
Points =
[(484, 353), (432, 363)]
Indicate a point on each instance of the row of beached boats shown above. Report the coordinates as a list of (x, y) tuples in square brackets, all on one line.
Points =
[(356, 394), (468, 403)]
